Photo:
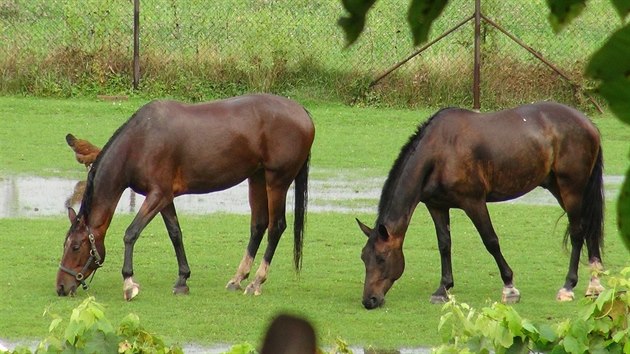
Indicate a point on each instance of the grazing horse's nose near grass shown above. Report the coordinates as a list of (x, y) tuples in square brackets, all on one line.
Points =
[(61, 291), (372, 302), (66, 289)]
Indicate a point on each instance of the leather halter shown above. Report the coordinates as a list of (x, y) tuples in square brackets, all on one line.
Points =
[(94, 257)]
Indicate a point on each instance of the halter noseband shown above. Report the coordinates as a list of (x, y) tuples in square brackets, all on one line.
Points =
[(94, 257)]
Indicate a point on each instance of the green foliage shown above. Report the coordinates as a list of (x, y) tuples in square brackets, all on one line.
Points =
[(340, 347), (89, 331), (610, 65), (421, 15), (354, 23), (623, 211), (603, 326), (622, 7), (244, 348), (563, 11)]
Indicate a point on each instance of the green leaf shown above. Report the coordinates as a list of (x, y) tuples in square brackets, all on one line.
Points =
[(53, 324), (572, 345), (102, 343), (445, 318), (611, 66), (547, 333), (244, 348), (619, 336), (504, 337), (421, 15), (514, 322), (129, 326), (622, 7), (563, 11), (623, 211), (354, 23), (518, 347)]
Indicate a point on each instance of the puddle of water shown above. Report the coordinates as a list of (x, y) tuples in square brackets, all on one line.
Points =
[(36, 196)]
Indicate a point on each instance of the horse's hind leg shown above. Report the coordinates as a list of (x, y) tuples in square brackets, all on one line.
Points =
[(566, 193), (175, 233), (258, 226), (478, 213), (277, 224)]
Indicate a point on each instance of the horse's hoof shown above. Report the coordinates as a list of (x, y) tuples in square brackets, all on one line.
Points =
[(233, 286), (251, 289), (131, 292), (594, 288), (510, 295), (565, 295), (181, 290), (438, 299)]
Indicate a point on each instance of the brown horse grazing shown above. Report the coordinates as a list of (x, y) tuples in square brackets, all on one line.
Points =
[(462, 159), (167, 149)]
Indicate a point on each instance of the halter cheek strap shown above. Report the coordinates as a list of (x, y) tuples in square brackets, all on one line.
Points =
[(94, 257)]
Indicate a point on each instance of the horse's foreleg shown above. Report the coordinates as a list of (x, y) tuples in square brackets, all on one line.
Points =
[(441, 220), (151, 206), (258, 226), (277, 225), (169, 215), (478, 213)]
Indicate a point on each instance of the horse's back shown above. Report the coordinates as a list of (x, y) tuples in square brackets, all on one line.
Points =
[(211, 146), (502, 155), (248, 110)]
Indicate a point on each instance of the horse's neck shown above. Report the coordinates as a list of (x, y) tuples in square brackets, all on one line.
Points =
[(404, 197), (107, 190)]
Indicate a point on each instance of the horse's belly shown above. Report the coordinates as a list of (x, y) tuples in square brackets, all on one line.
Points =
[(513, 190)]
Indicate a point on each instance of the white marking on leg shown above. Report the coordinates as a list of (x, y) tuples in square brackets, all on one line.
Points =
[(130, 289)]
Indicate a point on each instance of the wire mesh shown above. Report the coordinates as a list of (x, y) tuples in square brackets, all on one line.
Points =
[(281, 45)]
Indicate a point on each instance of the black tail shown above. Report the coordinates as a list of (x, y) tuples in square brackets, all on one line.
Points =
[(592, 224), (301, 201)]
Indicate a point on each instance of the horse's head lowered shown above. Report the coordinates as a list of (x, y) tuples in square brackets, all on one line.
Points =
[(82, 255), (384, 264)]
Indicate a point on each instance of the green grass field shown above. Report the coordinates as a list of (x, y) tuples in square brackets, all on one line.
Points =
[(362, 141)]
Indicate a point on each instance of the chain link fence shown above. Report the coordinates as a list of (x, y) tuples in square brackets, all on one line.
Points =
[(196, 49)]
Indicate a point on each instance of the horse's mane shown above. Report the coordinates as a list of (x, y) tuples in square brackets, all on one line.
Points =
[(396, 170), (86, 202)]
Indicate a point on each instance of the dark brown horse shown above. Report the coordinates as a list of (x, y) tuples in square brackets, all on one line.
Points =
[(167, 149), (462, 159)]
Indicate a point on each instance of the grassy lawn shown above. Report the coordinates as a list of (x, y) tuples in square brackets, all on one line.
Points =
[(363, 141), (32, 134)]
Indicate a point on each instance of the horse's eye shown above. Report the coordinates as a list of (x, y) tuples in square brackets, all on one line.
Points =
[(76, 247)]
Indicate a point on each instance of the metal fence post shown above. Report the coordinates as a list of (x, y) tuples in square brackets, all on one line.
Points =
[(476, 63), (136, 43)]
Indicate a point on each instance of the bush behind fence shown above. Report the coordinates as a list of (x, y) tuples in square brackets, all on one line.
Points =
[(197, 50)]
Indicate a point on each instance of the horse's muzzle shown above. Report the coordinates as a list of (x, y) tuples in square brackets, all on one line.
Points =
[(63, 290), (66, 284), (373, 302)]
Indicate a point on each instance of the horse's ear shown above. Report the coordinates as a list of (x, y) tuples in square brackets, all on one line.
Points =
[(72, 215), (382, 232), (366, 230)]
